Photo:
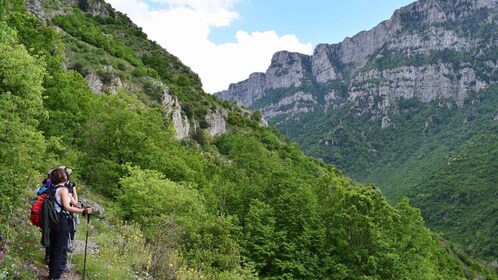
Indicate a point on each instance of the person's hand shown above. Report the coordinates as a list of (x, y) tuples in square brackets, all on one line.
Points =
[(87, 211)]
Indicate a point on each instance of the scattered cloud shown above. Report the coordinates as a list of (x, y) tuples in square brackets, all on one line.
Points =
[(182, 27)]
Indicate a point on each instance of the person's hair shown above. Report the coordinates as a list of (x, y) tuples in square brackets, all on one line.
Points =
[(58, 176)]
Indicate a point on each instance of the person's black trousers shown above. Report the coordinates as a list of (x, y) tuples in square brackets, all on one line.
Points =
[(59, 234)]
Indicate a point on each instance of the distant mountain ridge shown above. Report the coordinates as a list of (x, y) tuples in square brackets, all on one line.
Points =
[(409, 55), (392, 105)]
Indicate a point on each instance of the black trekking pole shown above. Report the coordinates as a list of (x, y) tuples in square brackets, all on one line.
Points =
[(86, 244)]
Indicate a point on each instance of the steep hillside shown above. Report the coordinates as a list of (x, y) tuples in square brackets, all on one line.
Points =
[(193, 187), (394, 105)]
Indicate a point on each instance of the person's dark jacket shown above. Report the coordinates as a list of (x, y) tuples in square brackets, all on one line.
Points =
[(48, 216)]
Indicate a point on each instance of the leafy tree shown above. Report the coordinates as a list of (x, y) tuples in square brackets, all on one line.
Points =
[(163, 197), (122, 130), (22, 147), (68, 101), (205, 239), (262, 236)]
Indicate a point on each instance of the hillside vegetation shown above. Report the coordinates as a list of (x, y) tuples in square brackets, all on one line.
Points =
[(409, 106), (441, 157), (246, 204)]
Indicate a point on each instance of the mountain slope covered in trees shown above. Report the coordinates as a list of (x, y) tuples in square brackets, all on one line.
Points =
[(82, 86), (410, 106)]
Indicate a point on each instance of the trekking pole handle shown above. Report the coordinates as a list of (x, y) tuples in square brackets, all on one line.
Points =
[(87, 211)]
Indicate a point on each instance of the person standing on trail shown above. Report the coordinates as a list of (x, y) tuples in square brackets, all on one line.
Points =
[(71, 187), (59, 232), (46, 184)]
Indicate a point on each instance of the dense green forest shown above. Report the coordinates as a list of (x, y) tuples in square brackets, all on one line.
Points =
[(244, 205), (442, 158)]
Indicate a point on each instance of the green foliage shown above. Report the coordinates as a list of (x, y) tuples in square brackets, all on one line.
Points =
[(205, 240), (122, 130), (21, 81), (40, 39), (22, 147), (260, 228), (68, 101), (3, 9), (86, 29), (163, 198), (7, 34), (438, 156), (122, 246), (202, 136), (66, 94), (243, 205), (118, 40), (18, 237), (466, 215)]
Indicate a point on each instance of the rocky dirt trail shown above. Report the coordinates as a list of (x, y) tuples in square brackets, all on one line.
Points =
[(79, 249)]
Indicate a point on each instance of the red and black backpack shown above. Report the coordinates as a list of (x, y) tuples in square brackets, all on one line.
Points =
[(44, 207)]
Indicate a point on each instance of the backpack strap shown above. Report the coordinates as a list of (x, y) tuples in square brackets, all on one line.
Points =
[(53, 190), (70, 185)]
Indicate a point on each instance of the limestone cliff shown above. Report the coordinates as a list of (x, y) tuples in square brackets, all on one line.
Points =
[(428, 50)]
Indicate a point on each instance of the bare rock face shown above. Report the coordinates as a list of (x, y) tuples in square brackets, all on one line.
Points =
[(286, 70), (99, 86), (180, 123), (94, 83), (92, 7), (322, 64), (428, 50), (356, 51), (386, 122), (300, 102), (264, 123), (47, 9), (43, 11), (168, 102), (238, 92), (216, 122), (425, 83)]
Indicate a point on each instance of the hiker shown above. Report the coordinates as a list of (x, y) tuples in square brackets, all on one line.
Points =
[(71, 187), (59, 233), (46, 184)]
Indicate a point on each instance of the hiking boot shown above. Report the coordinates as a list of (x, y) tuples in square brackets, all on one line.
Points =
[(66, 268)]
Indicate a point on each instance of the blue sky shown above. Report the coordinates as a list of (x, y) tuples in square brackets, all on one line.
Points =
[(315, 21), (224, 41)]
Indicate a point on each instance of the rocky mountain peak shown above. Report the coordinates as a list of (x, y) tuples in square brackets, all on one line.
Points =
[(427, 50)]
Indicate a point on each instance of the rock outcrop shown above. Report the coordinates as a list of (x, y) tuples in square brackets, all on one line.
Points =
[(216, 122), (180, 122), (45, 10)]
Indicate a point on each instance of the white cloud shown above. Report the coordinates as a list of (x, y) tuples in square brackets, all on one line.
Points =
[(183, 29)]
